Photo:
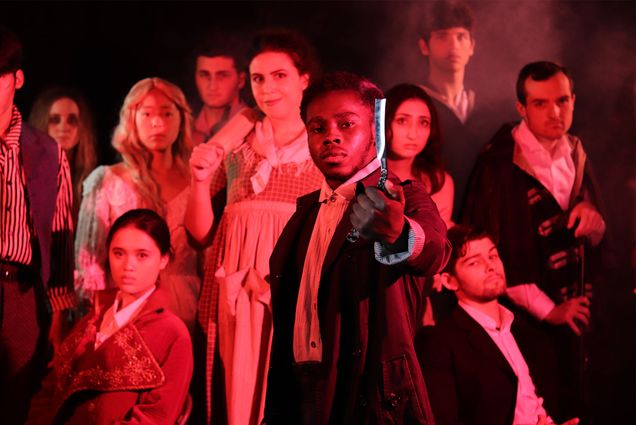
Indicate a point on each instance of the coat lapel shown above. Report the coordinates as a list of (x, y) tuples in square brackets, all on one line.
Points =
[(339, 239), (481, 341), (40, 168), (289, 237), (122, 362)]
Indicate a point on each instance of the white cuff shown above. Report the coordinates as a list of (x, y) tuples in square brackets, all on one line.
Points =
[(415, 245), (532, 299)]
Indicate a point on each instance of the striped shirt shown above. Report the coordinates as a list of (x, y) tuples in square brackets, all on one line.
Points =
[(16, 222)]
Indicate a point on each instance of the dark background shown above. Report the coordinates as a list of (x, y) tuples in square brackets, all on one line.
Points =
[(103, 48)]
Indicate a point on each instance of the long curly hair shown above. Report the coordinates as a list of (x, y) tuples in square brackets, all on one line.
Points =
[(82, 157), (135, 156), (427, 165)]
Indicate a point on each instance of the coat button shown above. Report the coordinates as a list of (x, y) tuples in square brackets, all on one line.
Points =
[(357, 353), (363, 401), (393, 400), (90, 407)]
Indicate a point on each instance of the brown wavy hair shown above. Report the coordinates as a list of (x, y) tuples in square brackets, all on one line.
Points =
[(83, 156)]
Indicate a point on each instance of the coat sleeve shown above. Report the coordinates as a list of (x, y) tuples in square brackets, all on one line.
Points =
[(164, 404), (421, 209), (438, 370)]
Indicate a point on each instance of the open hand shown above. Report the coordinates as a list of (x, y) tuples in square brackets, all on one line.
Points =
[(569, 312)]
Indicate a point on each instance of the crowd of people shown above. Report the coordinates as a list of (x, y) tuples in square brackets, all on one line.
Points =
[(251, 264)]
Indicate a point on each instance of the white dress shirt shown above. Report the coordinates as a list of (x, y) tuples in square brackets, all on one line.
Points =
[(116, 318), (529, 406), (307, 342)]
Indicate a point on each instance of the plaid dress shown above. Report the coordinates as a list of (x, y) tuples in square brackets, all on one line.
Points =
[(234, 308)]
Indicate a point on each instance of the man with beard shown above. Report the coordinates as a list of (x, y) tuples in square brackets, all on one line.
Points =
[(482, 364), (532, 190)]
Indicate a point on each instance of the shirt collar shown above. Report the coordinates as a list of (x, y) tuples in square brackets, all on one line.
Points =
[(12, 139), (488, 322), (347, 190), (122, 316), (201, 125), (529, 143)]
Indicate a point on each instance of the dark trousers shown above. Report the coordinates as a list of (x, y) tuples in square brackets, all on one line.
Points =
[(24, 348)]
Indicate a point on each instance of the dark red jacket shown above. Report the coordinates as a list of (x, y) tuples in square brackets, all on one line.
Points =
[(140, 374), (369, 372)]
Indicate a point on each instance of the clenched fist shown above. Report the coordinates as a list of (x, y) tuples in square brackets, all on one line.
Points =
[(379, 216)]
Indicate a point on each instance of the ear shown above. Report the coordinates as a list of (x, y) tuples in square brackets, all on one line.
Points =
[(242, 77), (472, 45), (19, 79), (573, 99), (449, 282), (304, 80), (521, 109), (423, 47), (164, 261)]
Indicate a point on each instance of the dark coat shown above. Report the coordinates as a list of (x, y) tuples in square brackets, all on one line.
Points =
[(470, 380), (369, 372), (41, 163), (526, 221), (140, 374)]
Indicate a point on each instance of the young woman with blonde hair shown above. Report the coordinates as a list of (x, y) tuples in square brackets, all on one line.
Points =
[(154, 140)]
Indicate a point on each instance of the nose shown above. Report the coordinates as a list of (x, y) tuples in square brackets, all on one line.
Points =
[(412, 131), (129, 263), (156, 122), (554, 110), (332, 135), (267, 85)]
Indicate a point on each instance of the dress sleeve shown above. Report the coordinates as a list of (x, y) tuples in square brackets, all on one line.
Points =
[(60, 291), (92, 224), (444, 200)]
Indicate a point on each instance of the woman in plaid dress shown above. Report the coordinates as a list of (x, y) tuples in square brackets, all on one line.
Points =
[(257, 165)]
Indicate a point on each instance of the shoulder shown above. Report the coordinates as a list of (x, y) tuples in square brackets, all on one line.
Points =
[(36, 135), (31, 136), (161, 327), (499, 150), (308, 198)]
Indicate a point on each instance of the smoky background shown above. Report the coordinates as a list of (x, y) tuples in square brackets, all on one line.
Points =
[(103, 48)]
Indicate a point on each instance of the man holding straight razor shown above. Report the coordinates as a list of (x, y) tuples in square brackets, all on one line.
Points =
[(347, 274)]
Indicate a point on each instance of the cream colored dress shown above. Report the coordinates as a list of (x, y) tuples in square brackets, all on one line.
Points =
[(106, 197)]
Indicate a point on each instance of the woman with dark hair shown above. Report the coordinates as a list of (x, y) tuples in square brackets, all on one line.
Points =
[(414, 144), (130, 359), (261, 159), (64, 115), (414, 153), (154, 139)]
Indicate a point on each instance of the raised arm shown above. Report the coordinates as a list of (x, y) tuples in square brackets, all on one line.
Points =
[(204, 169)]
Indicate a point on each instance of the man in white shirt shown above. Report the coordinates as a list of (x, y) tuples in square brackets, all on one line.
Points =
[(343, 305), (532, 190), (477, 362)]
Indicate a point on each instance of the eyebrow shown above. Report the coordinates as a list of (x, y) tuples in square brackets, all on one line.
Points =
[(411, 115), (160, 107), (466, 259)]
